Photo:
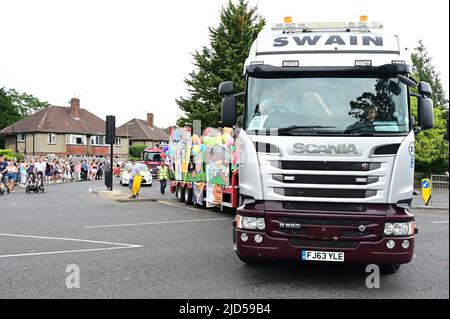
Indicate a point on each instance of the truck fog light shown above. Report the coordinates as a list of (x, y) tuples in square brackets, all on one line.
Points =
[(390, 244), (258, 239), (405, 244), (244, 237)]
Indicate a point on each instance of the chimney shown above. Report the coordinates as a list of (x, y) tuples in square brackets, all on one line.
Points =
[(75, 107), (150, 119)]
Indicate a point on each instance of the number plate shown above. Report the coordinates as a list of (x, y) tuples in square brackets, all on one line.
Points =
[(323, 255)]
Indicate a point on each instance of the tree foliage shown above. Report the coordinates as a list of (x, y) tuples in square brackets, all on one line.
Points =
[(15, 106), (431, 148), (136, 151), (224, 60)]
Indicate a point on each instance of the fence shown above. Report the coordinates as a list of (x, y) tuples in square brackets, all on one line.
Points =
[(439, 189)]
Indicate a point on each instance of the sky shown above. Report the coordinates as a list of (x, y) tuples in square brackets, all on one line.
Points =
[(128, 58)]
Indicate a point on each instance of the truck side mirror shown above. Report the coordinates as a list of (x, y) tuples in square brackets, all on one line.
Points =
[(229, 111), (226, 88), (425, 89), (426, 113)]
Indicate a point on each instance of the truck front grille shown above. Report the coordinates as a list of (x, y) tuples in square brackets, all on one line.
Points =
[(327, 207), (325, 192), (326, 228), (323, 243), (326, 166)]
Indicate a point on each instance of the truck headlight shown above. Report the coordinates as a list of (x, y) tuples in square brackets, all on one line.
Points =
[(399, 229), (244, 222)]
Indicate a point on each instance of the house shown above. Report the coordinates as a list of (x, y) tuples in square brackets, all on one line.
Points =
[(63, 132), (144, 132)]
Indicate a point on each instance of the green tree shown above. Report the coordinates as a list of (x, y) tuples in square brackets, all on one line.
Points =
[(230, 44), (15, 106), (431, 147), (26, 103), (9, 112), (426, 71), (136, 151)]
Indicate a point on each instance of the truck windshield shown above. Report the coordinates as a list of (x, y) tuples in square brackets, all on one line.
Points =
[(326, 105), (152, 157)]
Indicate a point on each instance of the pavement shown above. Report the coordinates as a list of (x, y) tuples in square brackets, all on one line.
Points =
[(165, 249)]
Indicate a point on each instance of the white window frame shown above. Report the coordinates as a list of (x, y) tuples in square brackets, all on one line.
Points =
[(51, 139), (71, 139), (96, 140), (118, 141), (19, 139)]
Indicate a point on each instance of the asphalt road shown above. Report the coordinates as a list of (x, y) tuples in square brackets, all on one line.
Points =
[(169, 250)]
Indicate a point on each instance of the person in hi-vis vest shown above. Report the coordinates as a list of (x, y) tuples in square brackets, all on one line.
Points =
[(163, 176)]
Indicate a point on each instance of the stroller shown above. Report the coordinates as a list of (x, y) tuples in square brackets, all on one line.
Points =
[(35, 183)]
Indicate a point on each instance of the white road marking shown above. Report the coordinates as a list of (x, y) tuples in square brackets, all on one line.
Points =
[(179, 206), (441, 222), (122, 246), (161, 223)]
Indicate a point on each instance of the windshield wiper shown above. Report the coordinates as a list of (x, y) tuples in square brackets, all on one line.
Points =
[(298, 127), (357, 128)]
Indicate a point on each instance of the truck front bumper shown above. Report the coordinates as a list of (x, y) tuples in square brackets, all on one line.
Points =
[(364, 252)]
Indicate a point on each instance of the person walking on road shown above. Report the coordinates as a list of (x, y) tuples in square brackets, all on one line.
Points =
[(23, 173), (132, 170), (163, 176), (4, 173), (12, 172)]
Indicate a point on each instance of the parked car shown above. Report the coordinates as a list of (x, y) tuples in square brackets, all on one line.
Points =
[(147, 178)]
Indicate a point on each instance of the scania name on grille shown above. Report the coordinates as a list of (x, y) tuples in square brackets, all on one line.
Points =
[(300, 148)]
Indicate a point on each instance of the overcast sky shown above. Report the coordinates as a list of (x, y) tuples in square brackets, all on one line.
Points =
[(127, 58)]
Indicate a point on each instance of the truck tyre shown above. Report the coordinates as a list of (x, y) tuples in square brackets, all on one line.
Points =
[(188, 196), (180, 193), (390, 269)]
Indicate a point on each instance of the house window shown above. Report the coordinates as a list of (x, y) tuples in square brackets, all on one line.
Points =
[(98, 140), (21, 137), (51, 139), (75, 139), (118, 141)]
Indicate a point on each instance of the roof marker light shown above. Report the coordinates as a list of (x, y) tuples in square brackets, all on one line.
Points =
[(363, 18), (287, 19), (363, 63), (290, 63)]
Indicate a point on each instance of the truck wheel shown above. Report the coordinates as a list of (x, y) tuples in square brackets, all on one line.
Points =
[(180, 193), (188, 196), (390, 269)]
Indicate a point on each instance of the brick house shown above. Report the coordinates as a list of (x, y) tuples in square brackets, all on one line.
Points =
[(144, 132), (63, 132)]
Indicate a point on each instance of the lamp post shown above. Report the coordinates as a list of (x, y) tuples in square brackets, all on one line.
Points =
[(128, 138)]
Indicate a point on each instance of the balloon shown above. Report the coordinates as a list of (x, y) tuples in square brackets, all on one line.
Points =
[(225, 137), (219, 139), (229, 141), (196, 148), (227, 130), (194, 139), (209, 141), (163, 155), (166, 148), (203, 148)]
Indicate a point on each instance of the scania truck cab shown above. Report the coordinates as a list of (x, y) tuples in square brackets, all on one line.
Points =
[(326, 144)]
